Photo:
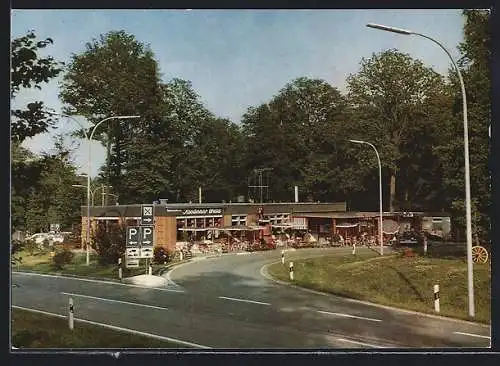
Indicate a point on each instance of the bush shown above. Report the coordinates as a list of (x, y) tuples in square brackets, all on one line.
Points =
[(161, 256), (16, 246), (31, 246), (63, 257), (109, 242)]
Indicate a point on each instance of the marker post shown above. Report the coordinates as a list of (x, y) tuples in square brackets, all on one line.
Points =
[(291, 271), (436, 298), (70, 315)]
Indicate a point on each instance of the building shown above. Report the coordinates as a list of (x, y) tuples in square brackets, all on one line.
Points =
[(181, 222)]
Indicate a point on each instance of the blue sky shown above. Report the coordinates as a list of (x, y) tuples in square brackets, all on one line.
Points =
[(238, 58)]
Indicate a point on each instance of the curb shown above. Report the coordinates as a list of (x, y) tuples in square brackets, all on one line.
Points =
[(265, 274)]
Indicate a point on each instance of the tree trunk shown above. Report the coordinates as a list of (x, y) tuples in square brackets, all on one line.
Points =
[(392, 191)]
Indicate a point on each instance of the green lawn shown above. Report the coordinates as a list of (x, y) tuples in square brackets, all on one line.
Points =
[(396, 281), (42, 263), (35, 330)]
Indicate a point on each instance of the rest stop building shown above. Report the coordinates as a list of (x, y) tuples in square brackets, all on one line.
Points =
[(177, 222)]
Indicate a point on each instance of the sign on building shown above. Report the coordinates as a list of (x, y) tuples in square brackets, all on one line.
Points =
[(147, 216)]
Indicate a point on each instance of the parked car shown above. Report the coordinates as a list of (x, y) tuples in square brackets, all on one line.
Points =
[(39, 238), (57, 238), (408, 239)]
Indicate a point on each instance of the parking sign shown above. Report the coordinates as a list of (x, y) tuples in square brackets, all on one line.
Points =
[(147, 215)]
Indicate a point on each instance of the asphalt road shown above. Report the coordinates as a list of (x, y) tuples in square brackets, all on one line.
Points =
[(227, 302)]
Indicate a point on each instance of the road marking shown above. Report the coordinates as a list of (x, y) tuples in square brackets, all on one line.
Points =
[(96, 281), (349, 316), (244, 300), (360, 343), (472, 335), (117, 301), (150, 335)]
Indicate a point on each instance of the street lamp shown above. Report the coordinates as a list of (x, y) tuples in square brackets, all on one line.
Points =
[(468, 216), (89, 139), (92, 193), (380, 225)]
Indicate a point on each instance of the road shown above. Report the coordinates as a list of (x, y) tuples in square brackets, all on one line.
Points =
[(227, 302)]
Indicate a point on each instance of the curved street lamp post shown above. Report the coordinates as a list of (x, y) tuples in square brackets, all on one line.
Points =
[(468, 215), (89, 139)]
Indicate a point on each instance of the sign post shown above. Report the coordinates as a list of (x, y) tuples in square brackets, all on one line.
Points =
[(147, 216), (132, 250)]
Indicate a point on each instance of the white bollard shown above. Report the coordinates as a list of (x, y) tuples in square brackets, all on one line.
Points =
[(436, 298), (282, 257), (70, 317), (353, 248), (291, 271), (425, 246), (150, 272), (180, 255), (120, 273)]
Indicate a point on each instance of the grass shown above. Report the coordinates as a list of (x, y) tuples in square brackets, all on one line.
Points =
[(396, 281), (41, 262), (35, 330)]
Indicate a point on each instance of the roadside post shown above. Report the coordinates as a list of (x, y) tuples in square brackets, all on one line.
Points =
[(425, 245), (120, 274), (353, 248), (180, 256), (291, 271), (282, 257), (150, 269), (436, 298), (70, 317)]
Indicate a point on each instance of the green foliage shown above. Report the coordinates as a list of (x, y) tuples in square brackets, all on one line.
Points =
[(31, 246), (109, 242), (62, 258), (475, 70), (29, 70), (392, 98), (161, 256)]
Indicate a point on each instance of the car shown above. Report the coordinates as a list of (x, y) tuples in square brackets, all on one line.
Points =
[(408, 239), (57, 238), (39, 238)]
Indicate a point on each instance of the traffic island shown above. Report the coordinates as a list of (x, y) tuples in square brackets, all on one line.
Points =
[(395, 280)]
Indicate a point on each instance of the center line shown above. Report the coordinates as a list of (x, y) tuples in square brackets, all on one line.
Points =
[(349, 316), (117, 301), (473, 335), (243, 300), (360, 343)]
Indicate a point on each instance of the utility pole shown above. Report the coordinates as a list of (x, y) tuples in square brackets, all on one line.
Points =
[(261, 185)]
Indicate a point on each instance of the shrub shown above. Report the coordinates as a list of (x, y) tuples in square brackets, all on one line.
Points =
[(16, 246), (161, 256), (63, 257), (109, 243)]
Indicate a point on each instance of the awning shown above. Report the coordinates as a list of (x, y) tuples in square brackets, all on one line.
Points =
[(345, 225), (241, 228), (192, 229)]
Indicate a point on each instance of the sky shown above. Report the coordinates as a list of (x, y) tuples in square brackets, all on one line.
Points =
[(236, 58)]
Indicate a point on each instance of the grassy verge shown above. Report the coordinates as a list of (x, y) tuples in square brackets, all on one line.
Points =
[(42, 263), (396, 281), (34, 330)]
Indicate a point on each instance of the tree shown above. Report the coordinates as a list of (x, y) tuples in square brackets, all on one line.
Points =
[(294, 134), (475, 68), (29, 70), (389, 97), (116, 75)]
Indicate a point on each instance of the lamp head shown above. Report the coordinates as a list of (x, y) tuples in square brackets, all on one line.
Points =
[(389, 29)]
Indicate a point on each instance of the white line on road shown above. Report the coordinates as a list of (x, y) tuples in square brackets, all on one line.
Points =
[(349, 316), (244, 300), (360, 343), (168, 339), (117, 301), (96, 281), (472, 335)]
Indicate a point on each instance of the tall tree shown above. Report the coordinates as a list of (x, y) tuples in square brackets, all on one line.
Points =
[(475, 68), (294, 134), (390, 96), (29, 70), (116, 75)]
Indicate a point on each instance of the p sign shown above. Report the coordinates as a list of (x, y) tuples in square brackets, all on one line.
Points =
[(147, 236), (132, 236)]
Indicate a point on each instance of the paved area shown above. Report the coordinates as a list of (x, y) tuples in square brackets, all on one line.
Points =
[(226, 302)]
